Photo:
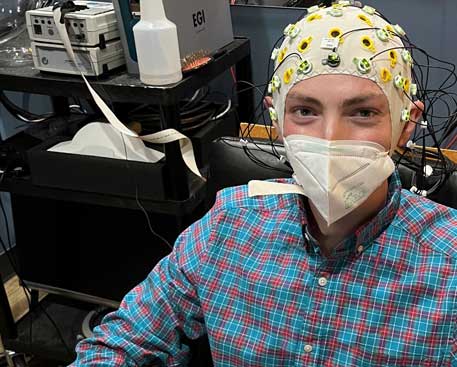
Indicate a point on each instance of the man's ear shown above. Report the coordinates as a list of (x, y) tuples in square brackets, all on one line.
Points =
[(416, 117)]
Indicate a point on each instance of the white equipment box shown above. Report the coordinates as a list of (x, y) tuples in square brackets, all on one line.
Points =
[(93, 34), (87, 27), (92, 61)]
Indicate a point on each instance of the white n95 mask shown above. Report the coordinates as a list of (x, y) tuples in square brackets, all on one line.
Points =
[(337, 176)]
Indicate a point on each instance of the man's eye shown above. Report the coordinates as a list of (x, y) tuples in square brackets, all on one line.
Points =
[(365, 113), (303, 112)]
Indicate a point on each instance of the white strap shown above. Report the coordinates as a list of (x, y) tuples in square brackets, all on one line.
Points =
[(161, 137), (187, 150), (263, 188)]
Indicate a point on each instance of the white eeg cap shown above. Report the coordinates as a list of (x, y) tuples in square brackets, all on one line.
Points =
[(345, 39)]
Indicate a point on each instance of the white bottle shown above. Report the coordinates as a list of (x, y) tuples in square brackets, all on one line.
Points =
[(157, 47)]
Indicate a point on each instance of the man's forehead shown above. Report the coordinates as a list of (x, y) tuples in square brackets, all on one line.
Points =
[(320, 88)]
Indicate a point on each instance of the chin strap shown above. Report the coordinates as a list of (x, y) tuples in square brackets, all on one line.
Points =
[(263, 188)]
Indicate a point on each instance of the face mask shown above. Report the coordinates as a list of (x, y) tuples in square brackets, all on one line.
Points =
[(337, 176)]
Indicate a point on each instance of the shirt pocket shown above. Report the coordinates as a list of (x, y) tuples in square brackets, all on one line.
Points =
[(394, 339)]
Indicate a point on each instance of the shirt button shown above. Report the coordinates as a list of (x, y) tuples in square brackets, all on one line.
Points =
[(308, 348), (360, 249), (322, 282)]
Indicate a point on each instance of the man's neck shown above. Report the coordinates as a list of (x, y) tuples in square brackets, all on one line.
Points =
[(330, 236)]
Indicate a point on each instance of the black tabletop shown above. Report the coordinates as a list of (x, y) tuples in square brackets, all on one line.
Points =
[(119, 86)]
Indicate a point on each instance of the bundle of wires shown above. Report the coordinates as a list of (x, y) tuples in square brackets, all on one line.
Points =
[(195, 112), (30, 117), (430, 166)]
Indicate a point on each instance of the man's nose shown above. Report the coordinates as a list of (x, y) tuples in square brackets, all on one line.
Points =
[(333, 129)]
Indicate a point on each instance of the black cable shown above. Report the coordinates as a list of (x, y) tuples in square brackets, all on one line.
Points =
[(437, 95), (264, 93), (20, 113), (202, 121), (154, 233)]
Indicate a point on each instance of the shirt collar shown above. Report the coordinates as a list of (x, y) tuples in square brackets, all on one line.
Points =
[(364, 236)]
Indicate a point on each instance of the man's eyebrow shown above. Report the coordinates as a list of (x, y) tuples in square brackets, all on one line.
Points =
[(362, 99), (304, 99)]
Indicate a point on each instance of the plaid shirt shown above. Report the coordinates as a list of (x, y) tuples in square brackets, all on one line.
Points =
[(249, 276)]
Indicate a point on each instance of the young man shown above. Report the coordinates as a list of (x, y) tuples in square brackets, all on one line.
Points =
[(348, 270)]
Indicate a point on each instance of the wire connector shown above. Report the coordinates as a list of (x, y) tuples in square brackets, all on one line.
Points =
[(276, 82), (313, 9), (305, 67), (243, 142), (363, 65), (410, 145), (428, 170), (383, 35), (399, 30), (291, 31), (416, 191), (274, 54), (405, 115), (399, 81), (369, 10), (283, 159), (406, 56), (335, 12), (424, 124), (273, 114)]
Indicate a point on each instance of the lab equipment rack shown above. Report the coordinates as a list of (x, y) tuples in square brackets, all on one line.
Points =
[(122, 87), (186, 193)]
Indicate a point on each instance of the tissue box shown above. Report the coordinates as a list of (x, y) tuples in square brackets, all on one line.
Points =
[(95, 174)]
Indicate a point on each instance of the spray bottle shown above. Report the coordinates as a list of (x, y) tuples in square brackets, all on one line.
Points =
[(157, 47)]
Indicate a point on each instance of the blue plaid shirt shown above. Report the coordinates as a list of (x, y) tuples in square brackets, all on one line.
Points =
[(249, 276)]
